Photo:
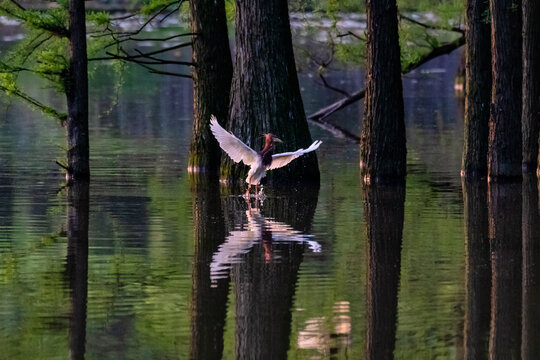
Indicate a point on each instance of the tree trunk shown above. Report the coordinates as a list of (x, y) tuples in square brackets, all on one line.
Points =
[(531, 84), (265, 95), (208, 301), (77, 95), (382, 149), (77, 265), (212, 76), (477, 90), (504, 156), (478, 270), (384, 205), (505, 239)]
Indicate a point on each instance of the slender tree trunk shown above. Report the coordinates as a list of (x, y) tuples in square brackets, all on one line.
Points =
[(505, 238), (382, 148), (77, 265), (265, 95), (77, 95), (212, 76), (531, 84), (478, 270), (504, 156), (477, 90), (384, 205)]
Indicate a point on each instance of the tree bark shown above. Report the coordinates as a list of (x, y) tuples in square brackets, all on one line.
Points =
[(382, 149), (477, 90), (77, 95), (212, 76), (384, 205), (504, 156), (478, 270), (265, 95), (531, 84)]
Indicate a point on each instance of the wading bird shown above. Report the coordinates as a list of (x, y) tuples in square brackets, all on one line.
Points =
[(259, 162)]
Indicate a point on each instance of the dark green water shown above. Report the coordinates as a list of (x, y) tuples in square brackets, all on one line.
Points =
[(172, 271)]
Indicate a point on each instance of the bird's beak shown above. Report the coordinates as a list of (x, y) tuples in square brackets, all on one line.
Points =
[(278, 140)]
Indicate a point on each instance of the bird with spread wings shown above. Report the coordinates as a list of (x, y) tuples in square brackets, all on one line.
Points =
[(259, 162)]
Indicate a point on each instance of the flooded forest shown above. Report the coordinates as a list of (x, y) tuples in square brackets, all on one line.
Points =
[(392, 213)]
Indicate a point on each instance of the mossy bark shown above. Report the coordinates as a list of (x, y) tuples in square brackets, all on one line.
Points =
[(505, 153), (265, 95), (531, 84), (212, 74), (78, 154), (477, 90), (382, 149)]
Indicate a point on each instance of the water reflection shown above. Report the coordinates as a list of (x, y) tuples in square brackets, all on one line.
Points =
[(208, 303), (384, 205), (530, 312), (478, 270), (265, 277), (504, 209), (77, 265)]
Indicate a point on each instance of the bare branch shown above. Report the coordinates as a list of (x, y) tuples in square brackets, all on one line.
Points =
[(429, 26), (325, 83), (350, 33), (18, 5)]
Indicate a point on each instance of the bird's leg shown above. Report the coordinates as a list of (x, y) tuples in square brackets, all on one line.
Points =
[(249, 188), (256, 189)]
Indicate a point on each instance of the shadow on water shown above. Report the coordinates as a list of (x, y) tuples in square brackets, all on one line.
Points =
[(384, 212), (77, 265), (264, 250)]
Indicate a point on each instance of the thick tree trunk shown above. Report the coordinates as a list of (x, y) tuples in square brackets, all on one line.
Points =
[(212, 76), (382, 149), (478, 270), (384, 205), (505, 238), (265, 95), (77, 95), (504, 155), (209, 301), (531, 84), (77, 265), (477, 90)]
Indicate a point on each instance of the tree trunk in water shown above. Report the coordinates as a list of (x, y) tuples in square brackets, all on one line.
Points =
[(478, 270), (77, 95), (477, 90), (382, 149), (208, 300), (212, 76), (505, 239), (504, 156), (384, 205), (265, 95), (77, 265), (531, 84)]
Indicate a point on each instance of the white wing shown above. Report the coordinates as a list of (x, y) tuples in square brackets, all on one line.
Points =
[(280, 160), (236, 149)]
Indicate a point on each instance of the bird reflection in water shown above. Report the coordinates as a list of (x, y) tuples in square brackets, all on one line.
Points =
[(258, 229)]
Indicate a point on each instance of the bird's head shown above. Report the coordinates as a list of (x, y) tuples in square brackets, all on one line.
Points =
[(270, 139)]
